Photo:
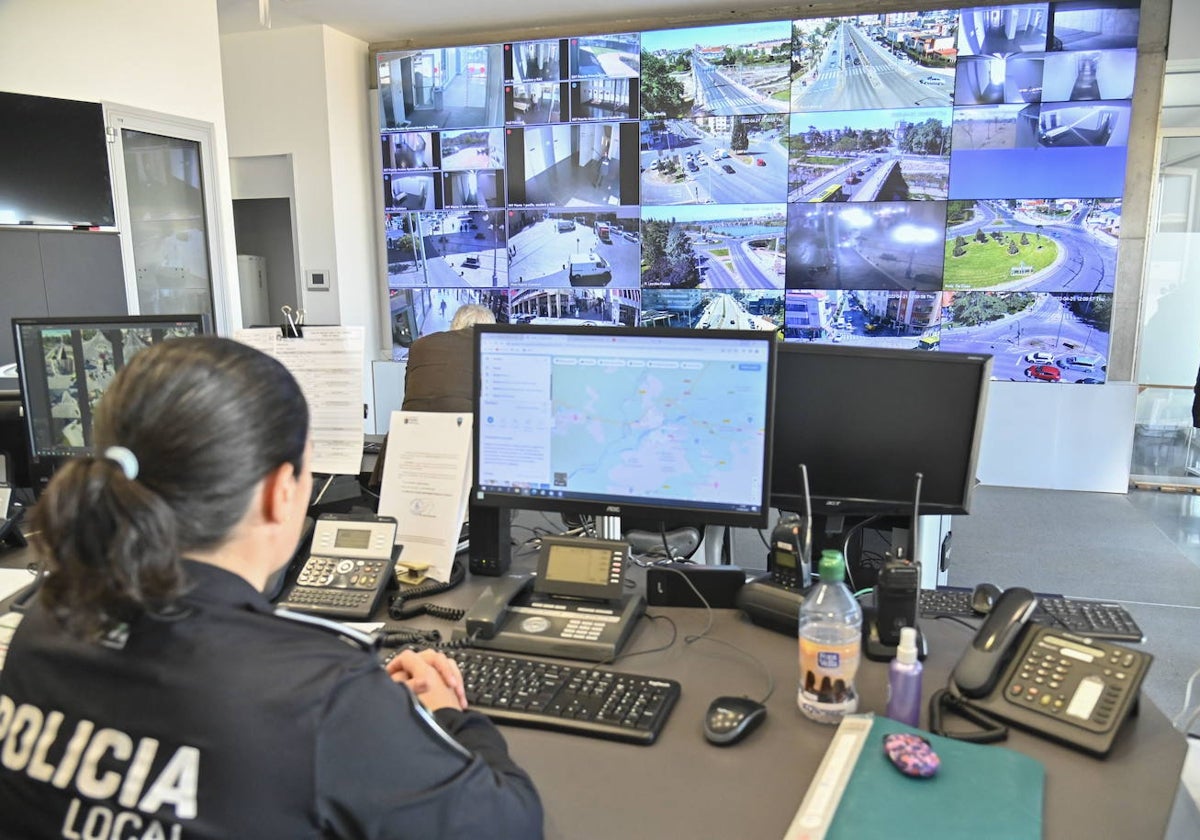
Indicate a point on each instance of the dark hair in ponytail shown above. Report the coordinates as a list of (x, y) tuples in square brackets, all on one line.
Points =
[(207, 419)]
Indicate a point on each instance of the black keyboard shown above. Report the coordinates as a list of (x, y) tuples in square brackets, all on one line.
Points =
[(346, 604), (567, 698), (1097, 619)]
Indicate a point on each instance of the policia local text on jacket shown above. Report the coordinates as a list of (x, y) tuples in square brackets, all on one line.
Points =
[(225, 721)]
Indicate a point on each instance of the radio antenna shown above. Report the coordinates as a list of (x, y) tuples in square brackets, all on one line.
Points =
[(913, 537), (806, 546)]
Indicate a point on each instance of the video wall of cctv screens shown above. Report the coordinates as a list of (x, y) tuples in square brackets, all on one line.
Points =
[(924, 179)]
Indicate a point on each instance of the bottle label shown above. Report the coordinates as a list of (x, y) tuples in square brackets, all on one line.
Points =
[(827, 671)]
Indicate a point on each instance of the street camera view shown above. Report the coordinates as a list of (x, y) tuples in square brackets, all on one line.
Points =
[(713, 160), (447, 249), (1034, 336), (582, 248), (887, 155), (705, 309), (881, 245), (724, 246), (716, 70), (1059, 245), (927, 178), (844, 65)]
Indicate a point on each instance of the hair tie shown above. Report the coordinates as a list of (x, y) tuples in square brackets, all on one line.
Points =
[(124, 459)]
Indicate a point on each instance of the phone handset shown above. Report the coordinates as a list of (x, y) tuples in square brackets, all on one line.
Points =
[(978, 670), (485, 618)]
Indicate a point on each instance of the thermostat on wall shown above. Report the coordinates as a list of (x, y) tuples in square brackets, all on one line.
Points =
[(318, 280)]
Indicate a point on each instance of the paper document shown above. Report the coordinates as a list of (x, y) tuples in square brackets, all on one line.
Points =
[(328, 364), (426, 483)]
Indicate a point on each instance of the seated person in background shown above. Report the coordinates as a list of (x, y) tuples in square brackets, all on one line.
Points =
[(152, 685), (441, 366)]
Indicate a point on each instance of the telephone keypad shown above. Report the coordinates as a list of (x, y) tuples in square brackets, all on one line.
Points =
[(341, 573), (1082, 681)]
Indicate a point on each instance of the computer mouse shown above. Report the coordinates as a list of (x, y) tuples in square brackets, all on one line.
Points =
[(983, 598), (730, 719)]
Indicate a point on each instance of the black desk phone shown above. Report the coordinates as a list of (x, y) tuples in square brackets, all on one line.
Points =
[(1069, 688), (575, 607), (349, 566)]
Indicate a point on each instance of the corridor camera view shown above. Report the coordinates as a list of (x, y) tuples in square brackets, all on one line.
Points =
[(1052, 149), (893, 155), (839, 64), (716, 70), (604, 99), (580, 248), (540, 102), (712, 310), (616, 56), (719, 246), (456, 87), (1062, 245), (863, 164), (1033, 336), (447, 249), (1044, 77), (713, 160), (576, 165), (881, 245), (533, 61)]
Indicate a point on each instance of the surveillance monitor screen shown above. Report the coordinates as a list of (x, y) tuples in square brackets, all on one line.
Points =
[(65, 365), (942, 179)]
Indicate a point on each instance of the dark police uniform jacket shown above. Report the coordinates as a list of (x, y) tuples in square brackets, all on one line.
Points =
[(230, 722)]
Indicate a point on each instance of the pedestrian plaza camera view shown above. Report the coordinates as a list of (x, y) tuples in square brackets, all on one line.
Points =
[(947, 179)]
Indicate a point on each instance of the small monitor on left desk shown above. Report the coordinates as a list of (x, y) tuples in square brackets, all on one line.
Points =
[(64, 366)]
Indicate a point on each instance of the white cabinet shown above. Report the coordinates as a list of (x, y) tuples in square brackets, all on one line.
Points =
[(252, 279)]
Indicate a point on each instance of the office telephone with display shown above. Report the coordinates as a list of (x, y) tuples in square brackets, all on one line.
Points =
[(349, 565), (1070, 688), (575, 607)]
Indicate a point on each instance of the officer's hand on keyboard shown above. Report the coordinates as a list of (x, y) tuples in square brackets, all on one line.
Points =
[(432, 676)]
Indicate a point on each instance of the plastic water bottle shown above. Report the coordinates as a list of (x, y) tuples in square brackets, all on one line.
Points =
[(830, 644)]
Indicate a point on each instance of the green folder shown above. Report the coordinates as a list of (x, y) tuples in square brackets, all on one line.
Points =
[(981, 792)]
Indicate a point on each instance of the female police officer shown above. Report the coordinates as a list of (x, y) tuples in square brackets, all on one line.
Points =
[(152, 693)]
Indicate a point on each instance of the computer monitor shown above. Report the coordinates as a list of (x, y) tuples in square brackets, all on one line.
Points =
[(864, 421), (64, 366), (13, 445), (670, 424)]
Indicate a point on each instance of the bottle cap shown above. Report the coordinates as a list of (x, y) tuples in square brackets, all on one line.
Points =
[(831, 568), (907, 650)]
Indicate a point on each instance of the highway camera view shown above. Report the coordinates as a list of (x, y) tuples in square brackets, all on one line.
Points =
[(926, 179)]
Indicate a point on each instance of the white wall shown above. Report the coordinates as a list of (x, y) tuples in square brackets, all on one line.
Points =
[(276, 104), (1185, 23), (162, 57), (302, 92)]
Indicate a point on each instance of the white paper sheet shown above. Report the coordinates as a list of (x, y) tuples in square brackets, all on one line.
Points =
[(328, 364), (426, 482)]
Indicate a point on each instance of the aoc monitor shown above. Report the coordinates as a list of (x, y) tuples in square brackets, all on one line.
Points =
[(667, 424), (865, 421), (65, 365)]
